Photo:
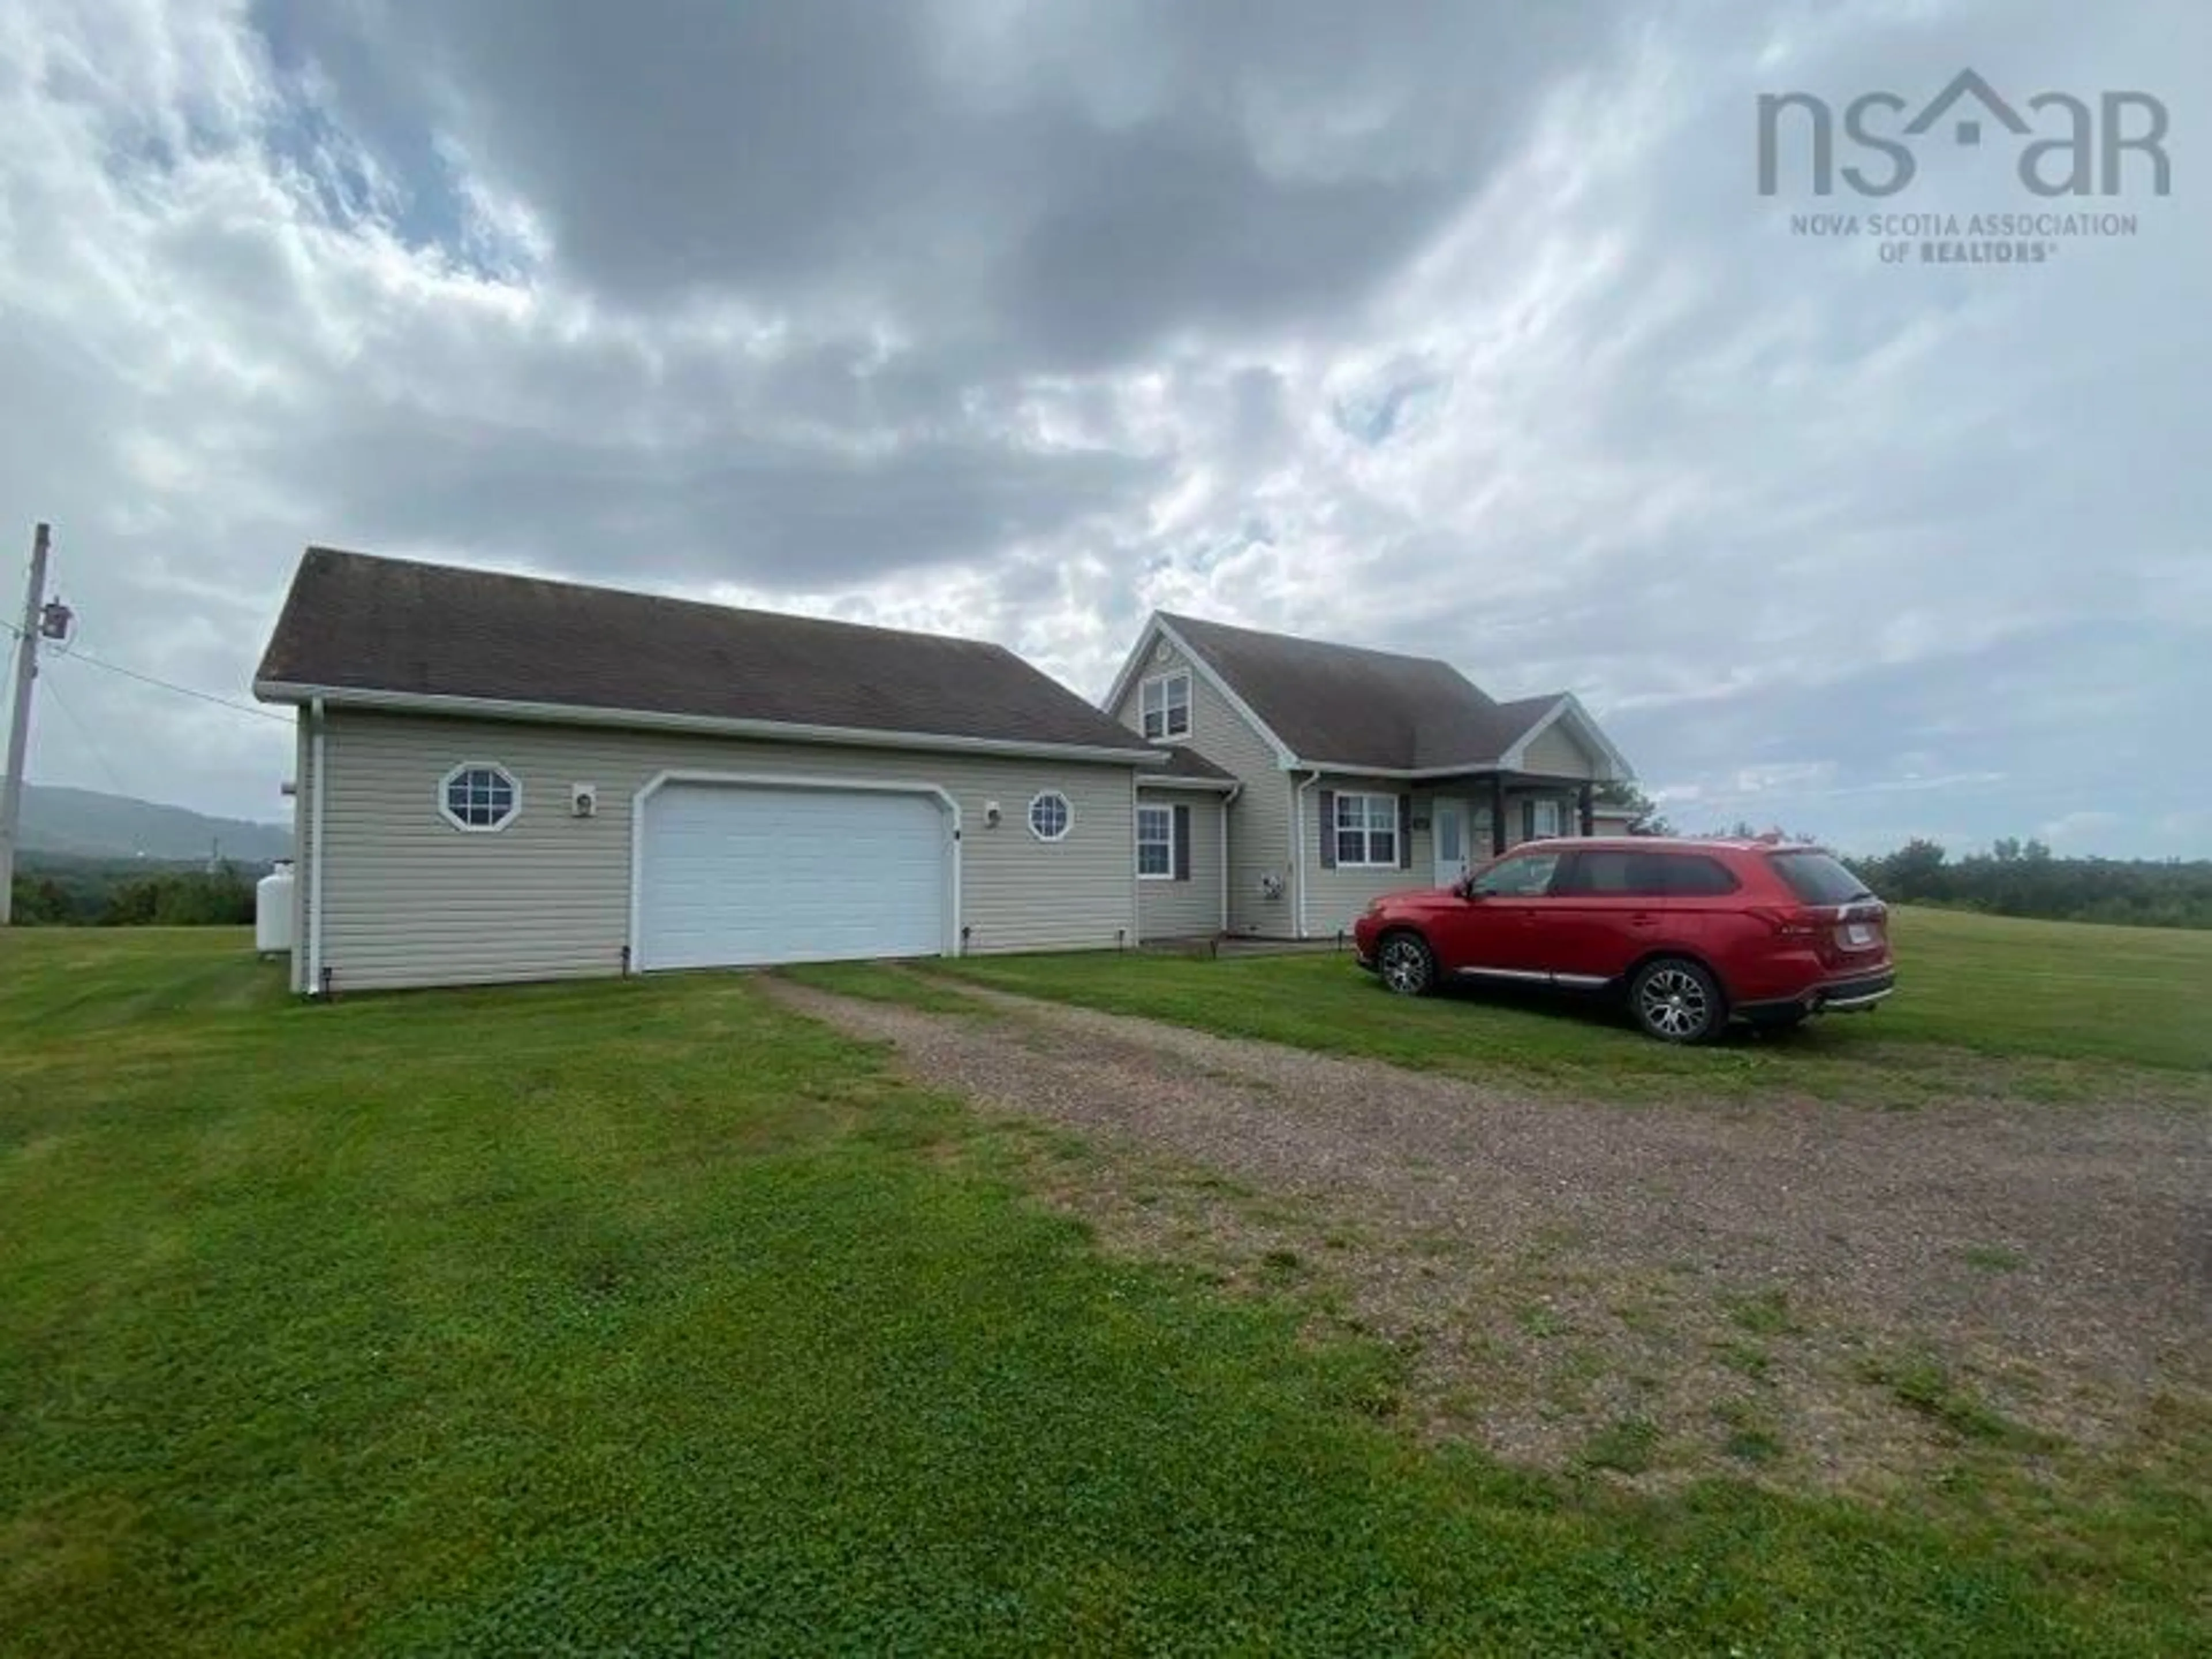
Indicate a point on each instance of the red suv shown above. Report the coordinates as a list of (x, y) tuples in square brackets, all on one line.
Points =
[(1695, 933)]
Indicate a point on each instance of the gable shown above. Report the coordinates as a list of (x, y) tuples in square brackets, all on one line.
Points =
[(1566, 742), (1557, 752), (1161, 660), (1220, 718)]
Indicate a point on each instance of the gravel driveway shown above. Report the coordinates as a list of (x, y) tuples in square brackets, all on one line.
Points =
[(1824, 1289)]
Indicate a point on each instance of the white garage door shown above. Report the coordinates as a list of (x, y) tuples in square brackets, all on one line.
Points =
[(741, 873)]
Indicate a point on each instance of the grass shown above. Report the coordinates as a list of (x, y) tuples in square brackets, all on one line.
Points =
[(1752, 1437), (644, 1316), (2067, 990), (1753, 1359), (1765, 1313), (2055, 1006), (1541, 1322), (1922, 1383), (1628, 1445), (882, 981)]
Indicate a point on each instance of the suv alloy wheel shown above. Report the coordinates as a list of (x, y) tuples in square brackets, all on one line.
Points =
[(1405, 964), (1677, 1000)]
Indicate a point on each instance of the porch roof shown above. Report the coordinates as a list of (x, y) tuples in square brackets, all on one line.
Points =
[(1186, 769)]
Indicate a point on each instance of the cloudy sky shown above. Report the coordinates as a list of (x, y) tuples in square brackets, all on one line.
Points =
[(1453, 327)]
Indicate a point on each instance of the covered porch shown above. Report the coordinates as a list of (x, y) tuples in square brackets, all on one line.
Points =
[(1486, 813), (1429, 831)]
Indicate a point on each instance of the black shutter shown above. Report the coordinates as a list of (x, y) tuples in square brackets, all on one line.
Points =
[(1405, 832), (1182, 843), (1328, 830)]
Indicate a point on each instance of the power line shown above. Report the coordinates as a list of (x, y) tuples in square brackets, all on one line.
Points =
[(165, 685), (75, 652), (54, 694)]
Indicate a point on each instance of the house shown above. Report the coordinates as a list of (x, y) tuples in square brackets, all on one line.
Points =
[(503, 778), (508, 779), (1354, 771), (1614, 820)]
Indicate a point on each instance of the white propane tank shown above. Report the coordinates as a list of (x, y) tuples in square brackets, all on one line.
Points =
[(272, 910)]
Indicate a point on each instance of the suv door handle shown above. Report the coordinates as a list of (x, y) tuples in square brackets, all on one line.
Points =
[(1642, 919)]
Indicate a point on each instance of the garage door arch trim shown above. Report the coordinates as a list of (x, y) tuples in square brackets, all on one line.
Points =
[(660, 781)]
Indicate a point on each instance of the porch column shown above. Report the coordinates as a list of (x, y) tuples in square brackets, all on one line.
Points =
[(1586, 800), (1497, 813)]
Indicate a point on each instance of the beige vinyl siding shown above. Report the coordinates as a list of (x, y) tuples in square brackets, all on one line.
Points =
[(410, 899), (1335, 897), (1192, 908), (1260, 819), (1558, 753)]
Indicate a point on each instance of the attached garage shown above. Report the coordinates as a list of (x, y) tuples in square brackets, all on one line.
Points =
[(733, 872), (502, 778)]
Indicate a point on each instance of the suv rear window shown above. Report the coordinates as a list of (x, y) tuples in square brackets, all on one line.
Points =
[(1693, 875), (1817, 879), (1607, 873)]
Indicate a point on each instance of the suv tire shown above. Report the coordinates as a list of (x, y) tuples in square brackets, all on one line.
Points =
[(1405, 965), (1677, 1000)]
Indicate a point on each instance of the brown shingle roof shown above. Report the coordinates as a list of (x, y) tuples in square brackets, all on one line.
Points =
[(1187, 763), (1348, 706), (356, 622)]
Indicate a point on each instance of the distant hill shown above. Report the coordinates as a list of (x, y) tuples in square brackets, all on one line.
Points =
[(86, 823)]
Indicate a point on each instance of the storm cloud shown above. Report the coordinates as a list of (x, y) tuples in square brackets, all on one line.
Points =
[(1454, 328)]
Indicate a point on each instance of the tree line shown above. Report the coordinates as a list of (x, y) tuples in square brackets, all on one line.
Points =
[(2024, 879), (2013, 878), (93, 894)]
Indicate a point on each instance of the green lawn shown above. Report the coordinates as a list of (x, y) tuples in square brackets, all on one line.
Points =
[(2061, 1003), (643, 1316)]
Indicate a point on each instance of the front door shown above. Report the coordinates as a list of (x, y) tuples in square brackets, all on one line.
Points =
[(1449, 821)]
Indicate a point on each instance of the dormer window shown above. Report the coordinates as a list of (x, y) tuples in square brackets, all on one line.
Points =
[(1167, 705)]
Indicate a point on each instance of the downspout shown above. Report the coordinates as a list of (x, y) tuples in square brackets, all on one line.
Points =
[(1227, 801), (960, 927), (314, 940), (1300, 846), (1136, 884)]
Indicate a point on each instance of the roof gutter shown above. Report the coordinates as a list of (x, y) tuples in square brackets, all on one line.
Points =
[(555, 713), (1403, 775), (1228, 787)]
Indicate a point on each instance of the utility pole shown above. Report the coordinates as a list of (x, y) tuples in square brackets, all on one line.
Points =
[(19, 726)]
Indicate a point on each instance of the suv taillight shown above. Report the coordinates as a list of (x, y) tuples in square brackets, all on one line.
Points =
[(1797, 921)]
